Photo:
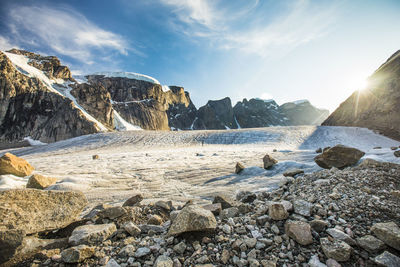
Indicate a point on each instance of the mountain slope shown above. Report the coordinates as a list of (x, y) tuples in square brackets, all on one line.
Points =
[(378, 106)]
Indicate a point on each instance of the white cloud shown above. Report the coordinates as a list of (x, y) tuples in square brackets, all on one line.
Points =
[(5, 44), (65, 31), (299, 24)]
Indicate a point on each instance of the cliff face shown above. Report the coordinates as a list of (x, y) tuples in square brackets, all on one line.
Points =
[(378, 106), (216, 114), (147, 104), (303, 113), (258, 113), (29, 108)]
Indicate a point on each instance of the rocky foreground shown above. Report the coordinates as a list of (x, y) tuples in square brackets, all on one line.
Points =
[(347, 217)]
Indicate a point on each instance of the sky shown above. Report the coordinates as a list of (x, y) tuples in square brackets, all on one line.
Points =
[(286, 50)]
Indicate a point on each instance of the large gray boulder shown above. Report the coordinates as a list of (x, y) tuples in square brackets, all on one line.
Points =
[(339, 156), (388, 232), (193, 219), (35, 210)]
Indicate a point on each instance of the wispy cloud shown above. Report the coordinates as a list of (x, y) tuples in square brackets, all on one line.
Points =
[(262, 35), (5, 44), (63, 31)]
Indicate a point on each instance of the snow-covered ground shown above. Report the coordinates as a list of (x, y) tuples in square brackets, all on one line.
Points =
[(181, 165)]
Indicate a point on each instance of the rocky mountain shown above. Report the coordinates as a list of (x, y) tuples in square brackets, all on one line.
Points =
[(377, 107), (301, 112), (40, 99)]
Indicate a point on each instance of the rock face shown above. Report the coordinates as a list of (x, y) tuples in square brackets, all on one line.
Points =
[(34, 210), (146, 104), (10, 164), (29, 108), (192, 219), (216, 114), (376, 107), (301, 112), (339, 156), (258, 113)]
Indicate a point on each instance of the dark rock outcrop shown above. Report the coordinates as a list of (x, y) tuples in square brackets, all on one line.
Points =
[(303, 113), (216, 114), (96, 100), (378, 106), (29, 108), (258, 113)]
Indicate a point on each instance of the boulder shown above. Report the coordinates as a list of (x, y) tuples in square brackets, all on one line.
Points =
[(131, 228), (11, 164), (40, 182), (134, 200), (339, 235), (339, 156), (95, 157), (155, 220), (10, 240), (225, 200), (239, 167), (397, 153), (387, 259), (269, 161), (388, 232), (370, 243), (214, 208), (112, 212), (277, 211), (302, 207), (292, 172), (164, 205), (337, 250), (91, 234), (193, 219), (163, 261), (246, 197), (299, 231), (318, 150), (35, 210), (77, 254)]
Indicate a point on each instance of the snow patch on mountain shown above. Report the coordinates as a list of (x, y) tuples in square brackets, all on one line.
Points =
[(123, 125), (129, 75), (58, 86)]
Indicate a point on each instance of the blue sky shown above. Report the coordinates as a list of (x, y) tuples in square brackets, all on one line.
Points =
[(285, 50)]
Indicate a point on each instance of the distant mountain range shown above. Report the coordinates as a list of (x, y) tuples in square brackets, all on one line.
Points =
[(39, 98), (377, 107)]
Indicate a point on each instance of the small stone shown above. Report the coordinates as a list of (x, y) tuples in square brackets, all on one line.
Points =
[(246, 196), (269, 161), (397, 153), (127, 251), (250, 242), (319, 150), (192, 218), (131, 228), (315, 262), (387, 259), (112, 212), (214, 208), (95, 157), (339, 235), (337, 250), (292, 172), (11, 164), (155, 220), (275, 229), (225, 255), (180, 247), (134, 200), (268, 263), (225, 200), (91, 234), (165, 205), (299, 231), (229, 213), (318, 225), (239, 167), (332, 263), (163, 261), (388, 232), (141, 252), (77, 254), (277, 212), (226, 229), (38, 181), (302, 207), (112, 263)]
